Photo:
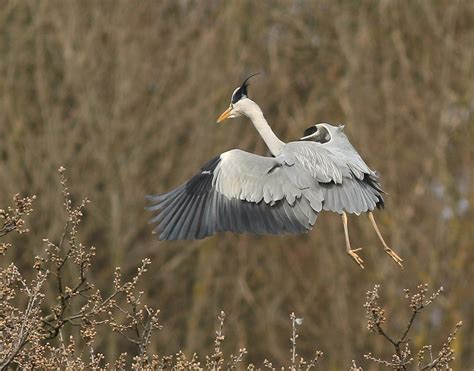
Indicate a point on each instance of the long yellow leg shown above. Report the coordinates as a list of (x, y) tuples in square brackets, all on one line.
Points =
[(387, 249), (349, 250)]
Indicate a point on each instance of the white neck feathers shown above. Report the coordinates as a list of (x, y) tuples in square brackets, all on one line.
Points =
[(255, 114)]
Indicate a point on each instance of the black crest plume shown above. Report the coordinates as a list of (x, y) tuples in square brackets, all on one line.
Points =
[(245, 83), (242, 91)]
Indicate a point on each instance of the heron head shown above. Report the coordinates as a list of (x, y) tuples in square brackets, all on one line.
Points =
[(237, 101)]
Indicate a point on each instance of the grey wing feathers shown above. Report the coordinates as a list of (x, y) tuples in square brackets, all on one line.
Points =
[(361, 192), (353, 196), (239, 192), (347, 182)]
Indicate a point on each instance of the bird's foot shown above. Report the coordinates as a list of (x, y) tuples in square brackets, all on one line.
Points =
[(357, 258), (394, 256)]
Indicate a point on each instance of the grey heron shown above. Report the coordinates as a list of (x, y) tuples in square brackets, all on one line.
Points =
[(335, 140), (243, 192)]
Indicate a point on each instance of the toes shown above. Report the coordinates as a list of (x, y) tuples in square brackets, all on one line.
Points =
[(394, 256), (357, 258)]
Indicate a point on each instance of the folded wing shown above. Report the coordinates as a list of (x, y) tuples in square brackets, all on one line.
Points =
[(348, 184)]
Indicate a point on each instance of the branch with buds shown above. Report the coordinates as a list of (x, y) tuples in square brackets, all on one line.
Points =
[(402, 356)]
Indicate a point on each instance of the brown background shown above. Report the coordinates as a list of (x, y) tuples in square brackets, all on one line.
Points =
[(125, 96)]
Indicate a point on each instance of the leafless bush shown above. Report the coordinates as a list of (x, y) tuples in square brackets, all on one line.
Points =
[(301, 363), (403, 353), (35, 336), (11, 219), (37, 327)]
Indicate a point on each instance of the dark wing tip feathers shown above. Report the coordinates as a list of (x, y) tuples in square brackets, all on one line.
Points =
[(374, 184), (201, 183), (176, 207)]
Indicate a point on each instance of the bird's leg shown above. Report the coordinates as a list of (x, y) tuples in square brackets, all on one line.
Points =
[(349, 250), (387, 249)]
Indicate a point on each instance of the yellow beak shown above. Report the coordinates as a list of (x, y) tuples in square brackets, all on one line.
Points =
[(224, 115)]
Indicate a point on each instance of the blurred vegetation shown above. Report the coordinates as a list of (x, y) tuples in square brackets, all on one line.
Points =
[(125, 95)]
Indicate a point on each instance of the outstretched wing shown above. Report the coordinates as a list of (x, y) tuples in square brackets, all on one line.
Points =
[(239, 192)]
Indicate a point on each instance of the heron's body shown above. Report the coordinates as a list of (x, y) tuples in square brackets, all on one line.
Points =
[(242, 192)]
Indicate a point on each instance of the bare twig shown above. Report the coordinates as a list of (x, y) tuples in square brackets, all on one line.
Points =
[(402, 353)]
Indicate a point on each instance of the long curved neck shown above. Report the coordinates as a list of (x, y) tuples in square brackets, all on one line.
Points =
[(255, 114)]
